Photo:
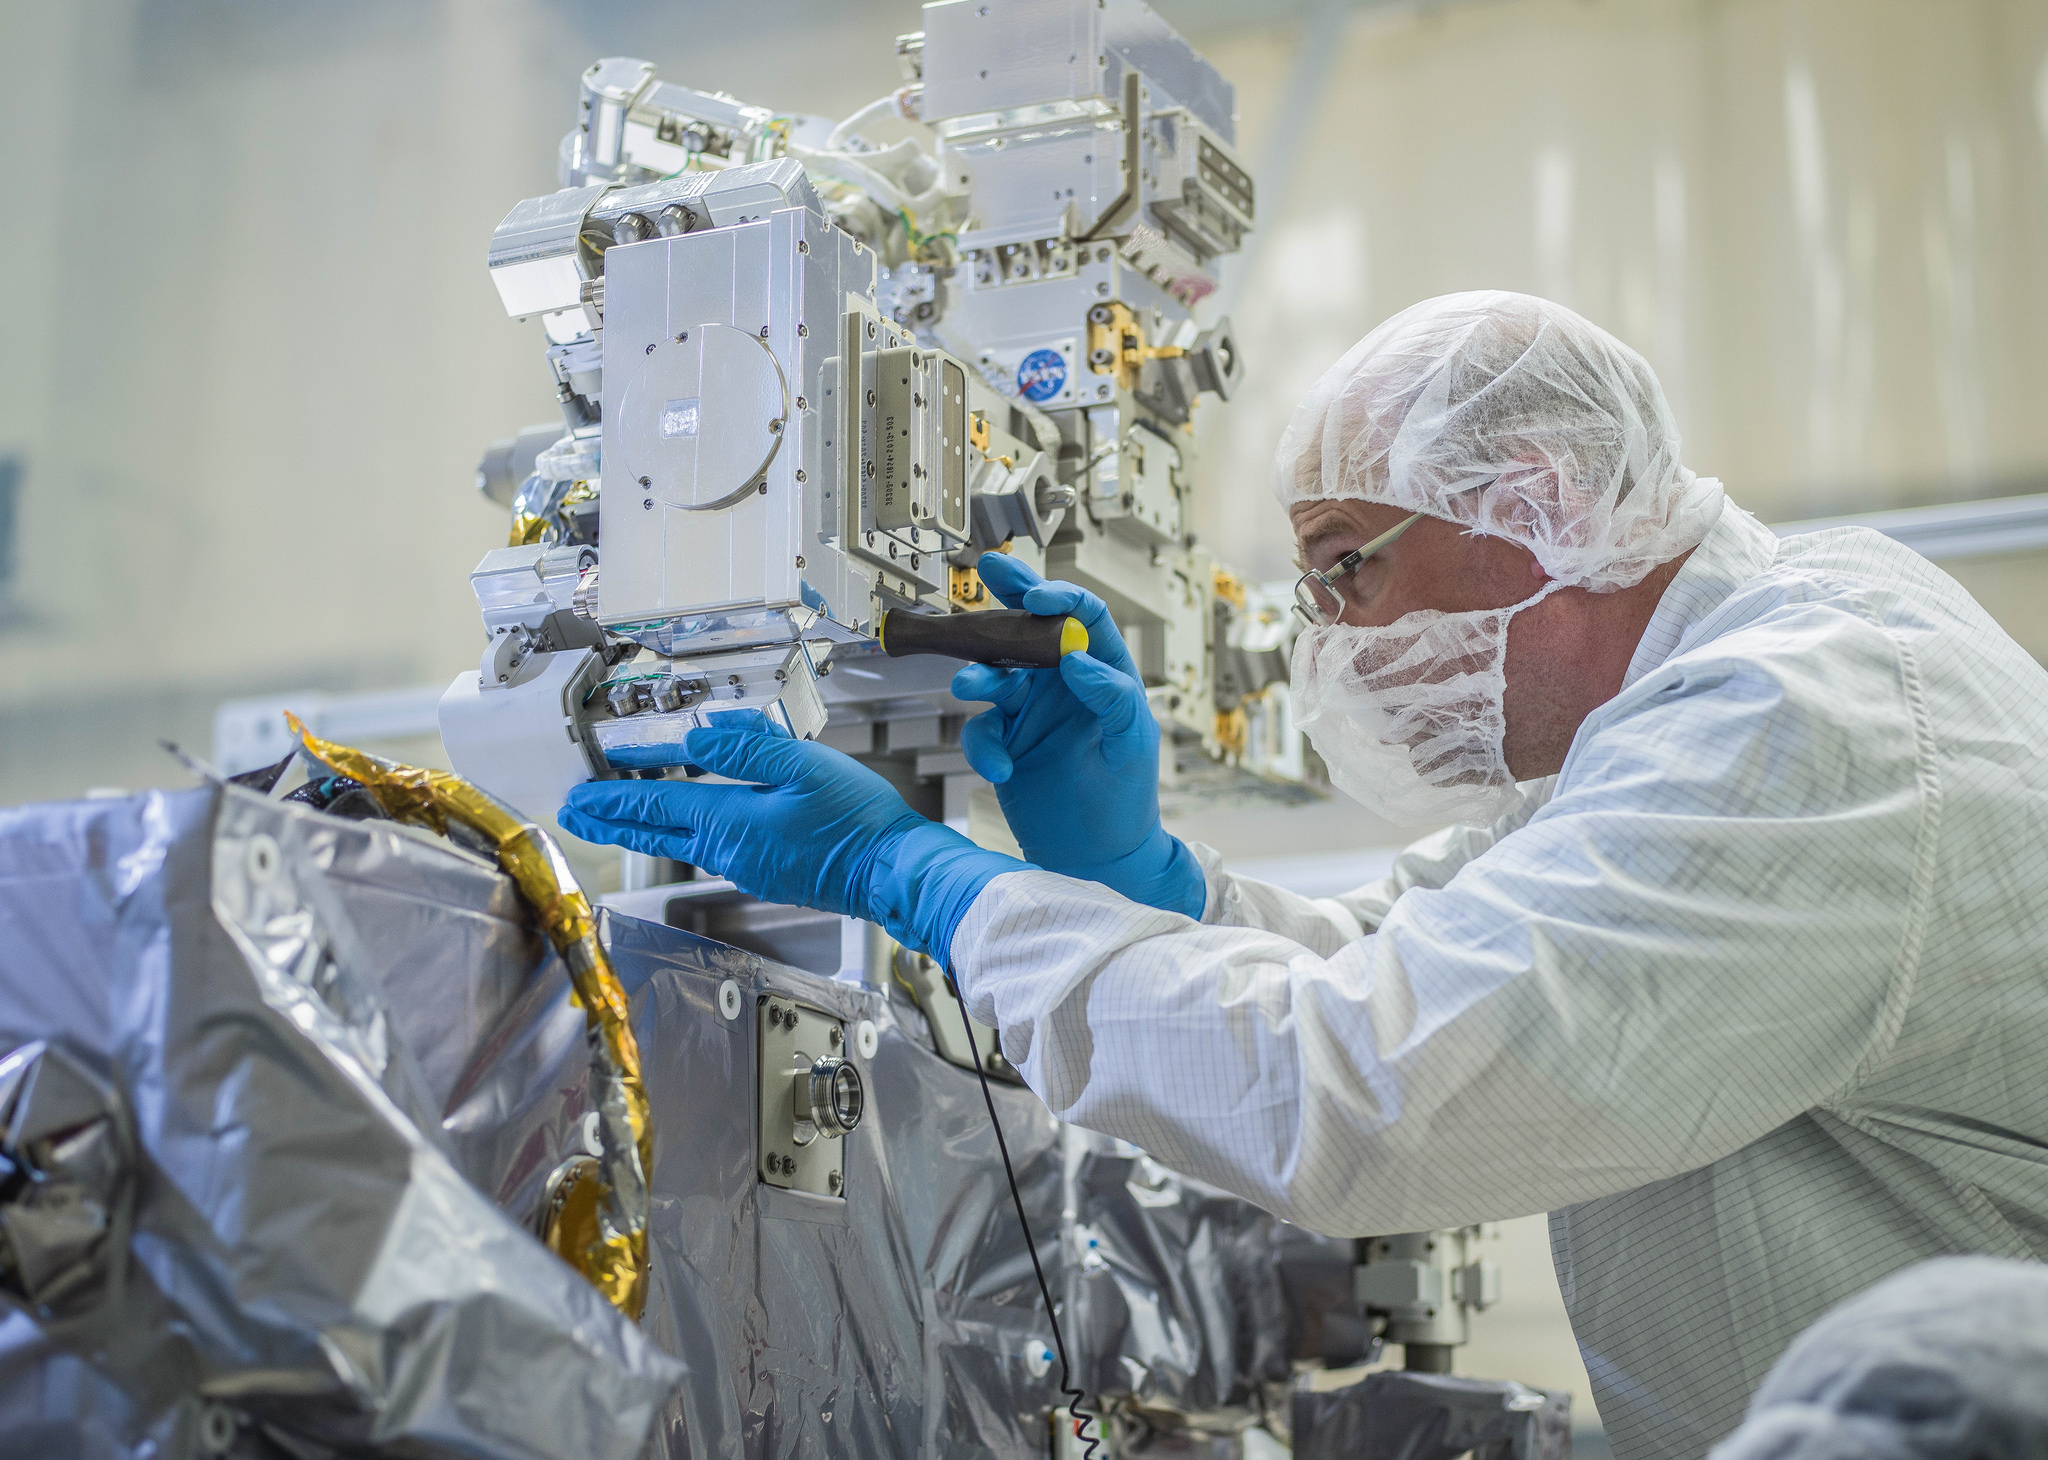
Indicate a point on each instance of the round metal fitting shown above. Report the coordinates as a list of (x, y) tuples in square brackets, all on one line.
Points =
[(217, 1426), (583, 603), (835, 1096), (262, 858)]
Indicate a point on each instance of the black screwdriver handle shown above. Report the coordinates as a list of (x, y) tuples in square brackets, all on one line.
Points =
[(1004, 638)]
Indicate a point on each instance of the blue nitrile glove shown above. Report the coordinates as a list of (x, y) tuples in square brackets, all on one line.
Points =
[(1074, 753), (817, 829)]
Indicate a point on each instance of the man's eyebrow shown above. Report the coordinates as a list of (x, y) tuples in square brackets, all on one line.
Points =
[(1323, 533)]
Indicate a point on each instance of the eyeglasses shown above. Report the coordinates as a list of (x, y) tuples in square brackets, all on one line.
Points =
[(1318, 599)]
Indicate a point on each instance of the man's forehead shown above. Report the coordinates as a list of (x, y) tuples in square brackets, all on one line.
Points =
[(1329, 515)]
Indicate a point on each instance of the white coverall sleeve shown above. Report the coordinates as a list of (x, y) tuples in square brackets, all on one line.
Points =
[(1711, 927), (1326, 924)]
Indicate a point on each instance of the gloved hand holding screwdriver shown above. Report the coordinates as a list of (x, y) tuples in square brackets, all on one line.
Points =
[(1073, 752)]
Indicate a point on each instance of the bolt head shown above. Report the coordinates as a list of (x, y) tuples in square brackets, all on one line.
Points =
[(647, 504)]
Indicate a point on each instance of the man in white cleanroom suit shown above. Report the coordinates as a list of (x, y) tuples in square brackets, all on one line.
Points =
[(1736, 961)]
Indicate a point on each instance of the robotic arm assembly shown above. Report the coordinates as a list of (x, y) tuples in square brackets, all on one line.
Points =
[(809, 378)]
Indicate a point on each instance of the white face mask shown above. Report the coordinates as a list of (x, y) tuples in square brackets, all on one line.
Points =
[(1410, 717)]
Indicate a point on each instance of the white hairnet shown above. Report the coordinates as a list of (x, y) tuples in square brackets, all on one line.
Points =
[(1947, 1360), (1515, 418)]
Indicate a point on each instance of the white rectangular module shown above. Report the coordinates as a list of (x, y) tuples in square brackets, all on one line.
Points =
[(709, 377), (982, 57)]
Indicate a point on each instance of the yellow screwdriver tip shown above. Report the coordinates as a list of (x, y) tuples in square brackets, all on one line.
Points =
[(1073, 637)]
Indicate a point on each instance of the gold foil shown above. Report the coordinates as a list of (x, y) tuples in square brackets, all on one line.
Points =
[(611, 1251), (527, 529)]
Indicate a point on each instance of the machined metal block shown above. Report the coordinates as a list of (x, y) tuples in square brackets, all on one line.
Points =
[(981, 58)]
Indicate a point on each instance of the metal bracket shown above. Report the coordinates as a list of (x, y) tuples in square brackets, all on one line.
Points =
[(803, 1048), (925, 982)]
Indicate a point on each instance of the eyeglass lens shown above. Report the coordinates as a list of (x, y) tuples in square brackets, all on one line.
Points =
[(1318, 599)]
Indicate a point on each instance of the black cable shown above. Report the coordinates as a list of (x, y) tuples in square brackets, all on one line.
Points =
[(1075, 1397)]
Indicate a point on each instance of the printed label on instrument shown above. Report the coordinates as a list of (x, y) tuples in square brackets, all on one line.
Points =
[(1041, 375), (679, 417)]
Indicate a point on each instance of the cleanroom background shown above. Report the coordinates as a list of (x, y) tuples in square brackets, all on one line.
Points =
[(252, 354)]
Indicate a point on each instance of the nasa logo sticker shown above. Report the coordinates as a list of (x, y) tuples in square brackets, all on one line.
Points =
[(1041, 375)]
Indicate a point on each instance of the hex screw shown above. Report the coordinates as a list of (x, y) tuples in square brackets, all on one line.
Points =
[(650, 349), (648, 504), (835, 1181), (799, 560)]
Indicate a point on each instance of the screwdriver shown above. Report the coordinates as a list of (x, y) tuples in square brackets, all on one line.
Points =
[(1003, 638)]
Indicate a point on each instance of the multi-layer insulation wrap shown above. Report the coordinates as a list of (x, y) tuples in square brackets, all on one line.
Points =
[(323, 1072)]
